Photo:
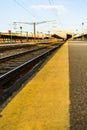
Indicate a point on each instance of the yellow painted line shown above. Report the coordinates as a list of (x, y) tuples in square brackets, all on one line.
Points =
[(43, 104)]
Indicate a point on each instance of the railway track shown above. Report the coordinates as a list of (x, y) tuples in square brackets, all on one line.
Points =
[(10, 62), (16, 69), (6, 51), (9, 47), (22, 54)]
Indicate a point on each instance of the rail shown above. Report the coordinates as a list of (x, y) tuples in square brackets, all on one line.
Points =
[(21, 70)]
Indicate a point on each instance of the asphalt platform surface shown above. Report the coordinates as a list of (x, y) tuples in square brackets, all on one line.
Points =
[(78, 85)]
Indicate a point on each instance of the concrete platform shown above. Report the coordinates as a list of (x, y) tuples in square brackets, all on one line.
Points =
[(43, 104)]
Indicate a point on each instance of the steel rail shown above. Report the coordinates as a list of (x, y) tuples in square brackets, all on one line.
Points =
[(9, 75), (13, 47), (28, 69), (19, 54)]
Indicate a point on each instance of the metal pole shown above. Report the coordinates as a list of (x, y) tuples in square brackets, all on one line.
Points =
[(27, 36), (82, 31), (21, 33), (34, 31), (10, 36)]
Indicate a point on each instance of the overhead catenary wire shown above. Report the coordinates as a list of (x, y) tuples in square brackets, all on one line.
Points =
[(22, 5), (51, 2), (34, 24)]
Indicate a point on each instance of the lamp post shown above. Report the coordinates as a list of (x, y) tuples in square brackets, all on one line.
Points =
[(10, 35), (27, 36), (21, 33), (38, 36), (77, 33), (82, 31)]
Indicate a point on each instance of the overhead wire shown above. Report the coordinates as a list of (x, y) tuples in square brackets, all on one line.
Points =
[(51, 2), (22, 5)]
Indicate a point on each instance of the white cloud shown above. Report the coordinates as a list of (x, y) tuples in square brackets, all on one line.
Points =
[(59, 8)]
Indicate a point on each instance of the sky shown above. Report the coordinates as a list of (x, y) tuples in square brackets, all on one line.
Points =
[(57, 14)]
